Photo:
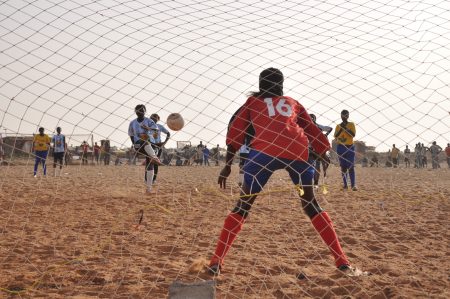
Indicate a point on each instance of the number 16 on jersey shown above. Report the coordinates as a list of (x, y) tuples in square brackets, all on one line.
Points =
[(281, 107)]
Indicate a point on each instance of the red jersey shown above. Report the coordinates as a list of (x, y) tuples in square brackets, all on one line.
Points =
[(97, 149), (281, 128), (447, 151), (85, 148)]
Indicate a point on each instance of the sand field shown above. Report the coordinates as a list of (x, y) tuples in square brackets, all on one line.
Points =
[(77, 235)]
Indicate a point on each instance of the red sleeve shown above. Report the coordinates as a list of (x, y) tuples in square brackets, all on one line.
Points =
[(239, 123), (317, 140)]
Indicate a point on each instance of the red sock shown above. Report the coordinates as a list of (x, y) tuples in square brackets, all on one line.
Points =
[(323, 225), (231, 227)]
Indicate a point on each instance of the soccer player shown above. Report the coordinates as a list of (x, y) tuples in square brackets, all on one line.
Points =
[(84, 153), (59, 148), (435, 150), (423, 155), (318, 160), (41, 145), (206, 153), (394, 155), (158, 141), (407, 153), (344, 133), (282, 129), (106, 147), (244, 150), (417, 156), (97, 149), (138, 131), (216, 155)]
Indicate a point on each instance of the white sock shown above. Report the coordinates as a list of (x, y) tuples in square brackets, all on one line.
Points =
[(150, 174), (149, 150), (241, 178)]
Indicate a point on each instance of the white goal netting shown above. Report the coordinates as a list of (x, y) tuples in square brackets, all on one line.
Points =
[(89, 230)]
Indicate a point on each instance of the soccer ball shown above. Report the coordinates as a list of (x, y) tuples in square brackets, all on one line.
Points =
[(175, 121)]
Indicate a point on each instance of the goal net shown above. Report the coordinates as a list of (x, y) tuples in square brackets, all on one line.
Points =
[(93, 231)]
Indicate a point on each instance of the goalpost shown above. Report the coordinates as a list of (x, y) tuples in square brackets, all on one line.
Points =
[(85, 66)]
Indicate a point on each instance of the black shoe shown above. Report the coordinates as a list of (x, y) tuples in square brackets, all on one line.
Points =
[(344, 267), (214, 269)]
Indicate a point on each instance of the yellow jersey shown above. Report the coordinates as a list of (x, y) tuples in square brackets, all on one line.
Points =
[(394, 153), (41, 143), (342, 136)]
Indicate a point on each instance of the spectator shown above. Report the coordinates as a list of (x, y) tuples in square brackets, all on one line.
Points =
[(97, 149), (205, 152), (84, 153), (435, 150)]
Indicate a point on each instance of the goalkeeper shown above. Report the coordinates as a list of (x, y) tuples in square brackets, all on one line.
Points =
[(282, 128)]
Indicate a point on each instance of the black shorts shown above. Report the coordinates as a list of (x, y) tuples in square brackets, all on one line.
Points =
[(58, 157), (242, 159)]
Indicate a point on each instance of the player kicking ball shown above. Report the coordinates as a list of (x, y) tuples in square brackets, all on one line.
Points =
[(139, 131), (282, 128)]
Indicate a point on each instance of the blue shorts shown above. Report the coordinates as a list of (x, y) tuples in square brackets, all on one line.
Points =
[(346, 155), (259, 167), (41, 155)]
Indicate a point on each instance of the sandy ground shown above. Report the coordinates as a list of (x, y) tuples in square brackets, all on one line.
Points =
[(76, 236)]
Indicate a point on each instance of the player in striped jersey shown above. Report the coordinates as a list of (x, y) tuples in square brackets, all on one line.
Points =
[(139, 131), (59, 148), (159, 144)]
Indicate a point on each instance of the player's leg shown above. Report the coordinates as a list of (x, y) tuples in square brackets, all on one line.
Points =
[(343, 163), (59, 160), (302, 173), (146, 149), (151, 153), (149, 172), (156, 166), (155, 170), (350, 157), (55, 160), (37, 161), (258, 170), (44, 161), (316, 172)]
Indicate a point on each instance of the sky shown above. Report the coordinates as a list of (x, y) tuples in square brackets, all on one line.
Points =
[(85, 65)]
